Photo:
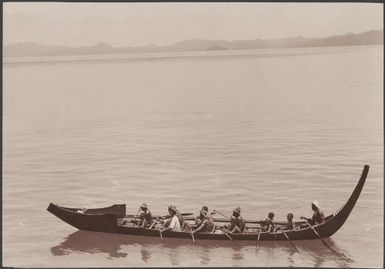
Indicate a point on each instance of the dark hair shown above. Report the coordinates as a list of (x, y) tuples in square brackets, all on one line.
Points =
[(271, 215), (290, 215), (171, 210)]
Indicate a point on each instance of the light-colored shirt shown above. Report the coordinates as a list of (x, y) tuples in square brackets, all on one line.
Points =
[(174, 224)]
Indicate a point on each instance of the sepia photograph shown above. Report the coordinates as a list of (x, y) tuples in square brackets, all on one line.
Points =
[(192, 134)]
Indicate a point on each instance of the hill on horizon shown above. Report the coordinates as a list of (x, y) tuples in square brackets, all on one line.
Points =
[(26, 49)]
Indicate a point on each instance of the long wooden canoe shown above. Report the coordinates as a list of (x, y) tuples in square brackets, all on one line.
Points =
[(109, 220)]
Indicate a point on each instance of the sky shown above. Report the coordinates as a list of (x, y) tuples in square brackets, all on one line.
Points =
[(139, 24)]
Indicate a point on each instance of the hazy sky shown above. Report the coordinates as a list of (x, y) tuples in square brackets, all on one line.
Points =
[(136, 24)]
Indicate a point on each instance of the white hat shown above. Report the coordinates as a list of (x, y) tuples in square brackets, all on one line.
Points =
[(316, 204)]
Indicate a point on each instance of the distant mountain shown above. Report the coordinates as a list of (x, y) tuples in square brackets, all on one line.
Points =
[(34, 49)]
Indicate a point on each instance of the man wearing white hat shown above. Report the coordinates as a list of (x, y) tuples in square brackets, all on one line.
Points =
[(318, 215)]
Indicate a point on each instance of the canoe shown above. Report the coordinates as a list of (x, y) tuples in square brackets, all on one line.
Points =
[(109, 220)]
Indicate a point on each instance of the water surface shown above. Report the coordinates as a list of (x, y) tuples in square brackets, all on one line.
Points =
[(264, 130)]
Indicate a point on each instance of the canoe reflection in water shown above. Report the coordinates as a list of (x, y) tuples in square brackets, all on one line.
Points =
[(116, 247), (89, 242)]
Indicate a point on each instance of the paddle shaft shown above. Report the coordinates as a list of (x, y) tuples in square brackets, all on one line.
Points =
[(223, 230), (228, 236), (323, 241), (153, 224), (221, 214), (259, 235), (192, 235), (288, 239), (161, 236), (249, 221), (154, 217)]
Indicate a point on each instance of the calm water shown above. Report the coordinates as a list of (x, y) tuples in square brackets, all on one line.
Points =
[(265, 130)]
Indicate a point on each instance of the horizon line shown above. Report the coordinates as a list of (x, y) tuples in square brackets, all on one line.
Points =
[(190, 39)]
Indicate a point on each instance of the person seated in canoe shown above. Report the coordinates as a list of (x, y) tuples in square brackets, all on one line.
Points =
[(289, 225), (204, 221), (145, 216), (268, 224), (173, 222), (183, 224), (237, 223), (318, 216), (178, 214)]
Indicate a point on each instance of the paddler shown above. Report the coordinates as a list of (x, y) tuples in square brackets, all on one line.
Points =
[(318, 216), (289, 225), (237, 224), (173, 222), (145, 216), (268, 224), (204, 221), (183, 224)]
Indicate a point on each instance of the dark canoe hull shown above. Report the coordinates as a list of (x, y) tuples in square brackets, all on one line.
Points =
[(107, 219), (98, 219)]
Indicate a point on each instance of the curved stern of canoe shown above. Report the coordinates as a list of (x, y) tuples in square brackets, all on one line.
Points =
[(98, 219), (335, 221)]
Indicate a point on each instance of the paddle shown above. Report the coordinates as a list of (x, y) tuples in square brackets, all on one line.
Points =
[(221, 214), (153, 224), (245, 220), (238, 229), (215, 211), (323, 241), (228, 235), (164, 217), (192, 235), (259, 236), (288, 239), (161, 236), (256, 242)]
